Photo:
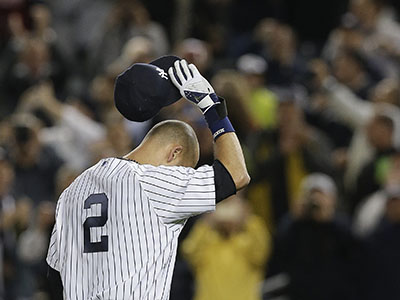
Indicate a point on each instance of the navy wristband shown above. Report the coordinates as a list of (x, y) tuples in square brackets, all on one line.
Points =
[(217, 125), (220, 127)]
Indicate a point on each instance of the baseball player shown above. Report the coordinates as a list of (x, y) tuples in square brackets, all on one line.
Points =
[(117, 224)]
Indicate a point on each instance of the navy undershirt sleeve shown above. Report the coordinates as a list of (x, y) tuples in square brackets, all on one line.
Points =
[(224, 185), (55, 284)]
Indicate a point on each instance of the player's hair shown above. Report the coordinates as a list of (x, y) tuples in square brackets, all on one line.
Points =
[(178, 132)]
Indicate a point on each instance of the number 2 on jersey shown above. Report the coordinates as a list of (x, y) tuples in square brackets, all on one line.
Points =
[(98, 221)]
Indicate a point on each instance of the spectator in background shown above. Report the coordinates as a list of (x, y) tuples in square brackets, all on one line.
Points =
[(72, 132), (31, 253), (381, 34), (232, 86), (69, 18), (261, 101), (350, 36), (7, 201), (16, 220), (227, 250), (342, 104), (101, 94), (349, 68), (2, 292), (347, 36), (315, 247), (383, 251), (32, 64), (6, 9), (381, 133), (33, 54), (282, 158), (372, 209), (387, 91), (126, 20), (7, 208), (196, 52), (279, 47), (41, 22), (138, 49), (35, 164), (116, 142), (375, 18), (42, 29)]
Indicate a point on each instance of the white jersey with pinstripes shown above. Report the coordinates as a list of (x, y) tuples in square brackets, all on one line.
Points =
[(117, 228)]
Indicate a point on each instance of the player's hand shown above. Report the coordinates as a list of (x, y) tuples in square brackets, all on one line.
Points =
[(192, 85)]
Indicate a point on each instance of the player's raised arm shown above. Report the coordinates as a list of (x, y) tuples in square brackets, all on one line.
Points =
[(227, 150)]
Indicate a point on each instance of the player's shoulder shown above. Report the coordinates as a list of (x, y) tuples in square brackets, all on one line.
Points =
[(176, 172), (116, 165), (164, 172), (169, 169), (110, 167), (176, 169), (106, 167)]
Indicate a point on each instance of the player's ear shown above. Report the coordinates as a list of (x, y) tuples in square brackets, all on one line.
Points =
[(174, 153)]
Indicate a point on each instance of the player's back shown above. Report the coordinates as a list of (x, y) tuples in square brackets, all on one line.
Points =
[(113, 238)]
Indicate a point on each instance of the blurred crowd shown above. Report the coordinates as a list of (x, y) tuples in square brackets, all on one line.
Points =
[(318, 116)]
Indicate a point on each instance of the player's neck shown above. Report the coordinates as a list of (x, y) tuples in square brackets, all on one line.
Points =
[(136, 156), (143, 155)]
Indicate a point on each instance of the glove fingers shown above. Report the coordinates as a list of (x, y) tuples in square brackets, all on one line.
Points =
[(173, 78), (186, 69), (194, 70), (179, 72)]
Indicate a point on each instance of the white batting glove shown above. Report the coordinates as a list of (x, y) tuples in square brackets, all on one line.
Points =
[(192, 85)]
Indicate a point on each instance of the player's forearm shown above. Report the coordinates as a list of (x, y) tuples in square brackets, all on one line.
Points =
[(195, 88), (228, 151)]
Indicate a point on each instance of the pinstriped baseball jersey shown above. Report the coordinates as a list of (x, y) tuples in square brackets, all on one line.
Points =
[(117, 227)]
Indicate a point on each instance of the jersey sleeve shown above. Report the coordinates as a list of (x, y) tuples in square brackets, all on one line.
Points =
[(53, 253), (177, 193)]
